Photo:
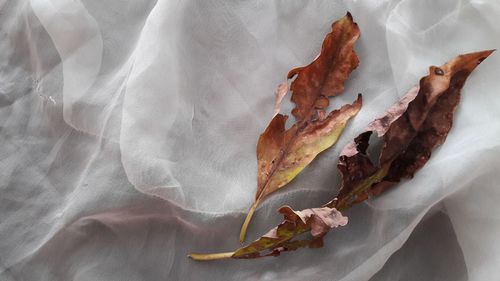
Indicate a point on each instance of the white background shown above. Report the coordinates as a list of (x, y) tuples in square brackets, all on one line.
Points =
[(128, 133)]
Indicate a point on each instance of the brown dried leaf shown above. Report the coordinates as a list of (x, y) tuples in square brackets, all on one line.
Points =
[(410, 130), (283, 154), (326, 75), (317, 221)]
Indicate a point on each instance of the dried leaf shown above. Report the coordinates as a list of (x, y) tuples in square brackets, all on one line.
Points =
[(410, 130), (326, 75), (282, 154), (318, 221)]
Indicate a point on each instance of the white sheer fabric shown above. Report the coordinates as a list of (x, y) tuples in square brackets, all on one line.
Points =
[(128, 132)]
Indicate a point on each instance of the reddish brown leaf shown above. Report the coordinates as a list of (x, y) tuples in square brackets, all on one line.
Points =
[(325, 76), (283, 154), (410, 130)]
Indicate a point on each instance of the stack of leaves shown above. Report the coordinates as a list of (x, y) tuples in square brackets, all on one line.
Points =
[(282, 154), (409, 131)]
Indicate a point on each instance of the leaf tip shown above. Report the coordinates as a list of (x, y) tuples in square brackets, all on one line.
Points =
[(484, 54), (349, 16), (359, 99), (350, 20), (474, 58), (487, 53)]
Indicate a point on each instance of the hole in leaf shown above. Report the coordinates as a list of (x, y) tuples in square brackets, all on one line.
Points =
[(375, 145)]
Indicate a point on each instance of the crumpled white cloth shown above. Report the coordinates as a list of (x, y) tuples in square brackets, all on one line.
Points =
[(128, 133)]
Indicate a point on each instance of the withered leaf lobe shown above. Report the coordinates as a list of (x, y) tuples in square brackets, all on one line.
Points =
[(326, 75)]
